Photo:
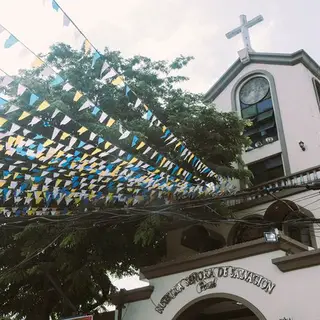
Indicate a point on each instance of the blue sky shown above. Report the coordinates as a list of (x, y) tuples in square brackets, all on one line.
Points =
[(163, 30)]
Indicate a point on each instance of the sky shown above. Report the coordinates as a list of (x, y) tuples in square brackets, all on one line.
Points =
[(161, 30)]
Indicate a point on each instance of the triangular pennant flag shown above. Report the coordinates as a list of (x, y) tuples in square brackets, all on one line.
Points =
[(125, 135), (33, 99), (24, 115), (21, 89), (66, 20), (44, 105), (14, 128), (92, 136), (55, 133), (56, 111), (64, 135), (86, 105), (118, 81), (104, 67), (37, 63), (67, 87), (56, 81), (6, 81), (82, 130), (77, 96), (34, 121), (65, 120), (95, 57), (137, 104), (12, 40), (109, 75), (110, 122), (12, 108), (103, 117), (141, 145), (3, 101), (87, 46), (55, 6), (47, 72)]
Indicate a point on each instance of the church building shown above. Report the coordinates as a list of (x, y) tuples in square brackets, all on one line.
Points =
[(245, 270)]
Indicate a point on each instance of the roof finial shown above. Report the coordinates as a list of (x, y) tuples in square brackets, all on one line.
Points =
[(244, 30)]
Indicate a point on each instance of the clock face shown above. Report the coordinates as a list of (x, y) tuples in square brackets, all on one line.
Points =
[(254, 90)]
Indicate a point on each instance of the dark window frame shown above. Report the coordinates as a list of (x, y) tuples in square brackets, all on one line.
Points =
[(316, 87)]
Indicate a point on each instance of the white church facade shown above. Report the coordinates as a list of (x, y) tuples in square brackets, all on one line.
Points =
[(229, 271)]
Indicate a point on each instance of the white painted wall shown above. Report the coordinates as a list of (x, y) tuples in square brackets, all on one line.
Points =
[(299, 112), (295, 294)]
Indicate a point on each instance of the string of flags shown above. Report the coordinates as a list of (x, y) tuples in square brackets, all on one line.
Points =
[(86, 103), (51, 163), (110, 75)]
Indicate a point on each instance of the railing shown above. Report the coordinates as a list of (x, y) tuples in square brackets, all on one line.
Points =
[(259, 192)]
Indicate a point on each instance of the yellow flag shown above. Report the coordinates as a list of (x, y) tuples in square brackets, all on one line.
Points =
[(93, 165), (38, 200), (37, 63), (133, 160), (163, 161), (177, 145), (118, 81), (15, 176), (110, 122), (82, 130), (87, 46), (96, 151), (19, 139), (1, 147), (164, 128), (64, 136), (146, 107), (47, 143), (141, 145), (24, 115), (58, 182), (84, 156), (77, 96), (180, 171), (44, 105), (191, 157), (10, 142), (60, 154), (2, 183), (2, 121), (107, 145)]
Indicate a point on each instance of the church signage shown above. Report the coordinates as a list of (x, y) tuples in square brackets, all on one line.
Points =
[(207, 279)]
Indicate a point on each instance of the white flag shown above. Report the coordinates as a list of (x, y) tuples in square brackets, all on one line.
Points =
[(34, 121), (55, 133), (65, 120), (105, 66), (67, 87), (137, 104), (12, 108), (21, 89), (6, 81), (56, 111), (14, 128), (103, 117), (125, 135), (86, 105)]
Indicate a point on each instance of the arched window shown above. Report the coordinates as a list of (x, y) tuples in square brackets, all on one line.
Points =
[(288, 217), (251, 228), (255, 100)]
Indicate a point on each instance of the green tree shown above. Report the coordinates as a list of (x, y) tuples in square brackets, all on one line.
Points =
[(62, 267)]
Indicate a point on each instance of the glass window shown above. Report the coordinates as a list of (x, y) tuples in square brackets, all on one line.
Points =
[(264, 105), (249, 112), (265, 115)]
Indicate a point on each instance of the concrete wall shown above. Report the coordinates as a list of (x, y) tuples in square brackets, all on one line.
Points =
[(299, 111), (294, 296)]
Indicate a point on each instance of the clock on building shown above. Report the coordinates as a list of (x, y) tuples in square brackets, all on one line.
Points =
[(254, 90)]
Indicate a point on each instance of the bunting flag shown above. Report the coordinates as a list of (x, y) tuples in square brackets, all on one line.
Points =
[(60, 162)]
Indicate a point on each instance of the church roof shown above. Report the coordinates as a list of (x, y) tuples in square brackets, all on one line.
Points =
[(263, 58)]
